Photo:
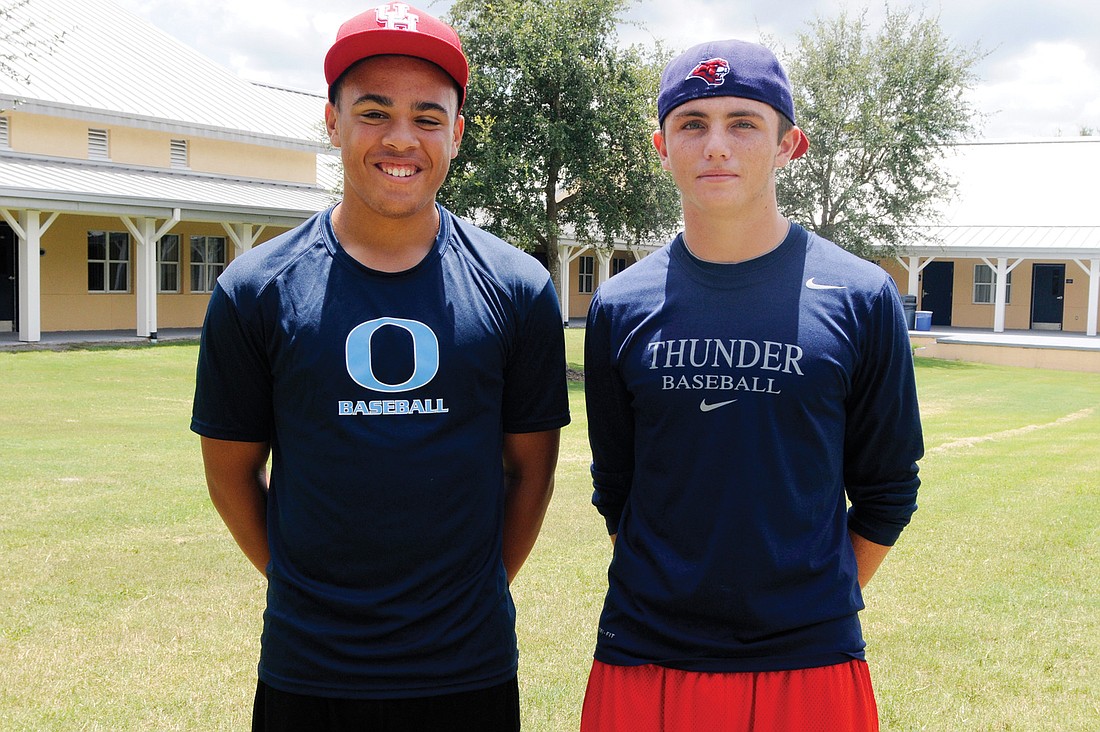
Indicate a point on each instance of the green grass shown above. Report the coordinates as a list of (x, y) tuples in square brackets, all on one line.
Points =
[(124, 604)]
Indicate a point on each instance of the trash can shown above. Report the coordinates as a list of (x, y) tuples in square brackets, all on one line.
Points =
[(922, 320), (909, 303)]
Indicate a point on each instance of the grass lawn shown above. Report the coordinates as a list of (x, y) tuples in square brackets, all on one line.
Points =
[(124, 604)]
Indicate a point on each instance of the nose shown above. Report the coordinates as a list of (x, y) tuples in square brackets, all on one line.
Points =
[(716, 146), (401, 136)]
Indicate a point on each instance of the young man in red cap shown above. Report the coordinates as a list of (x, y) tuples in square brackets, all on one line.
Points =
[(405, 373), (741, 384)]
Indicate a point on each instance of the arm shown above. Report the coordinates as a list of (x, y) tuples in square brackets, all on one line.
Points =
[(869, 556), (236, 476), (883, 439), (610, 421), (529, 462)]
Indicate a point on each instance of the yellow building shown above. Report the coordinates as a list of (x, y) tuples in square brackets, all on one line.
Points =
[(1018, 246), (133, 169)]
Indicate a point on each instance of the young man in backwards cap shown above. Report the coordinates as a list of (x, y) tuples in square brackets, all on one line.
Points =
[(405, 372), (740, 383)]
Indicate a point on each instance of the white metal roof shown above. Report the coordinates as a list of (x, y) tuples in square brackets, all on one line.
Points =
[(112, 66), (74, 186)]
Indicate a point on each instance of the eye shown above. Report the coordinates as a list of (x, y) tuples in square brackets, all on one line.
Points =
[(692, 125)]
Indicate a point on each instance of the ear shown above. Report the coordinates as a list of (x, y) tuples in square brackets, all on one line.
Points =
[(459, 130), (330, 124), (789, 147), (661, 147)]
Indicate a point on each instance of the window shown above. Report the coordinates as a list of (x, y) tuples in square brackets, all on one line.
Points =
[(585, 270), (108, 261), (985, 285), (179, 154), (168, 263), (207, 262), (5, 141), (618, 264), (98, 148)]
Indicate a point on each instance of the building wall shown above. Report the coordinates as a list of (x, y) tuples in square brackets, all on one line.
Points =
[(68, 305), (68, 138), (965, 313), (579, 301)]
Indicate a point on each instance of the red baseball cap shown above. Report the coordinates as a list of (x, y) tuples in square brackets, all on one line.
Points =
[(402, 30)]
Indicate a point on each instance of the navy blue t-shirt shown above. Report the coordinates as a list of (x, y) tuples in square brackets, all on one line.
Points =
[(385, 398), (732, 408)]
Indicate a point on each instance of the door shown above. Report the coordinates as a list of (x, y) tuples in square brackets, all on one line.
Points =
[(8, 290), (937, 291), (1048, 291)]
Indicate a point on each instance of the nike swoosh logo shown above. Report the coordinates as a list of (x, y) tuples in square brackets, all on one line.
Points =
[(704, 407), (815, 286)]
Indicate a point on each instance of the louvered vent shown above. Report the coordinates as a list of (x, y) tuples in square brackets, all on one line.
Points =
[(5, 143), (97, 145), (179, 154)]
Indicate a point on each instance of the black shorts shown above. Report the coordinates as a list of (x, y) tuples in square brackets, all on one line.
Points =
[(495, 709)]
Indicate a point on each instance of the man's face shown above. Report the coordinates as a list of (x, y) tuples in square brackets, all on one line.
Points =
[(396, 124), (722, 153)]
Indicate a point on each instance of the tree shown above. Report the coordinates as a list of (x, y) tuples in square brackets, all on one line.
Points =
[(18, 40), (879, 109), (559, 120)]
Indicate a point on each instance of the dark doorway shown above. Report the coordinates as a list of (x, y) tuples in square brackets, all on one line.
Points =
[(1048, 290), (937, 287), (9, 291)]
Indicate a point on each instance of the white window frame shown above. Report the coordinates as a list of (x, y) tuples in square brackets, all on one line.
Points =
[(985, 285), (618, 264), (114, 268), (586, 275), (208, 265), (168, 270)]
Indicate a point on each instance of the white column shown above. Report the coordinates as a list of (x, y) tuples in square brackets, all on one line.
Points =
[(1093, 271), (243, 236), (563, 296), (146, 236), (566, 254), (29, 228), (913, 266), (603, 258), (1000, 274)]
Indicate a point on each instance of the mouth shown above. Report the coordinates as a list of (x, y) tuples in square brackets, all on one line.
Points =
[(398, 171)]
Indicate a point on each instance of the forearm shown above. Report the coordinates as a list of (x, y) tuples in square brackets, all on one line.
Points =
[(529, 463), (236, 477), (869, 556)]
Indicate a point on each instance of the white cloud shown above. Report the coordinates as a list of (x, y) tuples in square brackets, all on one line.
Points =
[(1049, 89)]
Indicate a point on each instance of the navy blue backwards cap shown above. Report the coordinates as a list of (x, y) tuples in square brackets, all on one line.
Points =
[(728, 69)]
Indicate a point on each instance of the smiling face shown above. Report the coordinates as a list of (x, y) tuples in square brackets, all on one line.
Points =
[(722, 153), (397, 126)]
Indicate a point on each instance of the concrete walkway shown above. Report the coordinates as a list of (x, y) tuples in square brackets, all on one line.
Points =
[(60, 340)]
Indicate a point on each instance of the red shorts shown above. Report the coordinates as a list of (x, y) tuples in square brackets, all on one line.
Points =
[(652, 698)]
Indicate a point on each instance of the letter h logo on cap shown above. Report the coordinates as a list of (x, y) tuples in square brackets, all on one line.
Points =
[(396, 16)]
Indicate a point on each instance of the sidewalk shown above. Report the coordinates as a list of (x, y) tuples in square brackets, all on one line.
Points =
[(61, 340)]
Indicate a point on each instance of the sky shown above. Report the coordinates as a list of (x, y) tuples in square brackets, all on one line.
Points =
[(1040, 76)]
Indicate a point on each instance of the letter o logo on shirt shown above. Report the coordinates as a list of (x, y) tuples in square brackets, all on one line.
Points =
[(425, 354)]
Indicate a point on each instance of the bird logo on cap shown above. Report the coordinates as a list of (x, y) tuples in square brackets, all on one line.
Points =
[(396, 16), (713, 71)]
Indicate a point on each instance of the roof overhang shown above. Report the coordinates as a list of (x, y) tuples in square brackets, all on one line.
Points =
[(76, 187), (1012, 242)]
